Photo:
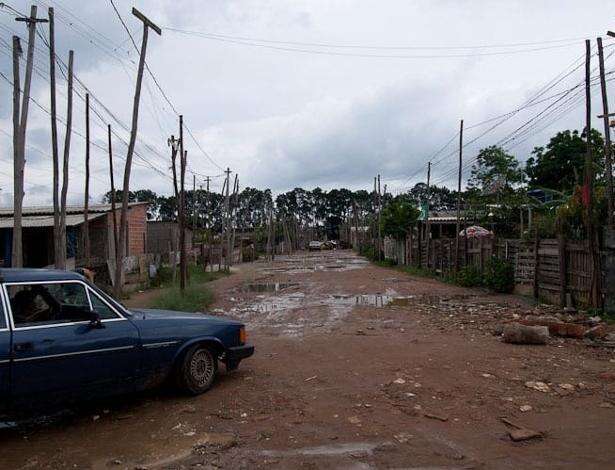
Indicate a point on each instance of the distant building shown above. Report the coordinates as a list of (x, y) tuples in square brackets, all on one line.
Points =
[(163, 237), (37, 234)]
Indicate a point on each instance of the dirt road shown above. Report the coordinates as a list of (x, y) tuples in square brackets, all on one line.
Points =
[(357, 367)]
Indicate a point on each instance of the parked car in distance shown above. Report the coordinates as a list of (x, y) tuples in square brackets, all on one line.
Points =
[(62, 339), (315, 245)]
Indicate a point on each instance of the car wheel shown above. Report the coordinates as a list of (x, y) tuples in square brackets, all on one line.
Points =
[(198, 370)]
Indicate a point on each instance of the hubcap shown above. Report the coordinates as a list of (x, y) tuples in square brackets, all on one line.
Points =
[(201, 367)]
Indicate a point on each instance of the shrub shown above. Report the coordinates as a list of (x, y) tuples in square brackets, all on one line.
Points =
[(469, 276), (369, 251), (195, 298), (499, 275)]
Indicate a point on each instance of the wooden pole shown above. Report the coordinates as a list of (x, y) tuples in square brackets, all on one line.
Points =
[(67, 136), (607, 138), (86, 202), (227, 234), (194, 205), (57, 242), (182, 208), (20, 160), (18, 164), (588, 183), (379, 222), (458, 225), (133, 138), (427, 223), (113, 211)]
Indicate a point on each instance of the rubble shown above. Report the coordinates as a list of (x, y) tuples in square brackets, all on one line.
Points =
[(538, 386), (516, 333), (518, 435)]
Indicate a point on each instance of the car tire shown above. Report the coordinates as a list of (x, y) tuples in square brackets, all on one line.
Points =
[(197, 371)]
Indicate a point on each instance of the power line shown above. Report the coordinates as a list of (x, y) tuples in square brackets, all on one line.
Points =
[(365, 55)]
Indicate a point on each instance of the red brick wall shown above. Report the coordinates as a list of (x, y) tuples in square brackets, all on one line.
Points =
[(137, 229)]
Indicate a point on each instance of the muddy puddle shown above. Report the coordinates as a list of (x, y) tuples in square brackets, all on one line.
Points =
[(269, 287), (316, 263)]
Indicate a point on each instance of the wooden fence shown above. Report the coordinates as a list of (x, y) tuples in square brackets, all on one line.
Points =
[(550, 269)]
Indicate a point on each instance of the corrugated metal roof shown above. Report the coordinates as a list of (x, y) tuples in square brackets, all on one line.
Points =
[(48, 210), (30, 221)]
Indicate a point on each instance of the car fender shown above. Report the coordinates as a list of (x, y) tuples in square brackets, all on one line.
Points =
[(201, 339)]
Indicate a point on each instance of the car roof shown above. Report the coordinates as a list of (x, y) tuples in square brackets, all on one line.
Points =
[(31, 275)]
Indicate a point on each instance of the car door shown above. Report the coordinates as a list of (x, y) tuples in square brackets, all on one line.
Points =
[(57, 353), (5, 354)]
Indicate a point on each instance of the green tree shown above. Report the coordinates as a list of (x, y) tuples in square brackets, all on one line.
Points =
[(397, 218), (495, 171), (560, 165)]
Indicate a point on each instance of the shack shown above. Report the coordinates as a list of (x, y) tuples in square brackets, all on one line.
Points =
[(38, 240)]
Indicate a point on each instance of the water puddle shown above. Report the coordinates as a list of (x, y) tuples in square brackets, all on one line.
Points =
[(270, 286), (326, 450)]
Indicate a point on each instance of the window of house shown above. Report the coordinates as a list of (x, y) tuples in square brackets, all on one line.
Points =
[(43, 304)]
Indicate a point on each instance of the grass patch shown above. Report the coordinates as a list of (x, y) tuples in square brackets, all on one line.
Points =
[(195, 298)]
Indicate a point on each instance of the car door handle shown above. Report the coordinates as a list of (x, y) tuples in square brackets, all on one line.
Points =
[(23, 346)]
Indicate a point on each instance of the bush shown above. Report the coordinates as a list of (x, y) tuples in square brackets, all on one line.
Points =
[(469, 276), (164, 276), (196, 298), (369, 251), (499, 275)]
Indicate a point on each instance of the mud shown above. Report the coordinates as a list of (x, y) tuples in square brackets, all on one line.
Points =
[(359, 367)]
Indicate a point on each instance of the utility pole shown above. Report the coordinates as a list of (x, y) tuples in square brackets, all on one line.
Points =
[(18, 164), (457, 229), (588, 183), (227, 235), (57, 242), (20, 156), (427, 223), (182, 207), (67, 136), (86, 226), (113, 213), (379, 221), (207, 180), (233, 212), (194, 202), (147, 24), (607, 137)]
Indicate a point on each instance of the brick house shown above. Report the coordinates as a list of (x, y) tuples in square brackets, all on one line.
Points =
[(38, 246)]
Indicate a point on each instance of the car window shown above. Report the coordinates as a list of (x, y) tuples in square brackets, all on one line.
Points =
[(43, 304), (101, 307), (2, 316)]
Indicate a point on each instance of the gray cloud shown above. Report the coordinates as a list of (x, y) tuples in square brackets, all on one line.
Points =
[(283, 119)]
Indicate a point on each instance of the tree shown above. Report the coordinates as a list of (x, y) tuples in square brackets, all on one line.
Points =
[(495, 171), (440, 197), (397, 218), (559, 166)]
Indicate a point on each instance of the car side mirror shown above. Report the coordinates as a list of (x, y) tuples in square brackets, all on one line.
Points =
[(95, 321)]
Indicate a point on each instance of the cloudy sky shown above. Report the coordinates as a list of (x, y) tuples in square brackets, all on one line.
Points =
[(306, 92)]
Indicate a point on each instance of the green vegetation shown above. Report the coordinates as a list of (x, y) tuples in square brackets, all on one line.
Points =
[(195, 298), (468, 276), (398, 218), (499, 275)]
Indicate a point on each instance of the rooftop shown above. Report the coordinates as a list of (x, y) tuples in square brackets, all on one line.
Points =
[(48, 210)]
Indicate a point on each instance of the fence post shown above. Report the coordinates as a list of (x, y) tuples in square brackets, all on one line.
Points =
[(609, 282), (561, 246), (420, 250), (536, 263), (480, 254)]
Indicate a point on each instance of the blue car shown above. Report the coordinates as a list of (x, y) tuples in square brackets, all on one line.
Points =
[(63, 339)]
